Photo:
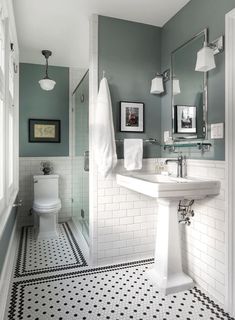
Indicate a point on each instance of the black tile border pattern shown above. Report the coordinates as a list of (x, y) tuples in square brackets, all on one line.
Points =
[(20, 268), (18, 287)]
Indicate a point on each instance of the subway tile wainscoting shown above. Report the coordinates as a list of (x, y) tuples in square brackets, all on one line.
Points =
[(29, 166), (124, 226)]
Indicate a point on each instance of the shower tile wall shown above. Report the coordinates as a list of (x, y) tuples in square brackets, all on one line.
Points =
[(80, 187), (31, 166), (124, 227)]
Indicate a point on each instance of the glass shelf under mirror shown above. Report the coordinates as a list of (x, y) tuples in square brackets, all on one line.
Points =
[(201, 146)]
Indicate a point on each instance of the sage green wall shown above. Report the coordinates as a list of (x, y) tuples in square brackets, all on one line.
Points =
[(39, 104), (195, 16), (129, 52)]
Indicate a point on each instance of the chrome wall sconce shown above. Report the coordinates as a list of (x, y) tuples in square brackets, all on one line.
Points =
[(206, 56), (46, 83), (157, 85)]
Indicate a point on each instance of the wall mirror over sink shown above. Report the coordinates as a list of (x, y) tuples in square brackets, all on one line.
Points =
[(189, 91)]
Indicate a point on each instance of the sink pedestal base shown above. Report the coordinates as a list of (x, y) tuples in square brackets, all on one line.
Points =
[(167, 272)]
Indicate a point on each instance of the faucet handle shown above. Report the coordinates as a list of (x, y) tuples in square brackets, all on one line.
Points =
[(180, 157)]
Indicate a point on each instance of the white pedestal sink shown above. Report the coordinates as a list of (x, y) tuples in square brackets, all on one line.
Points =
[(167, 272)]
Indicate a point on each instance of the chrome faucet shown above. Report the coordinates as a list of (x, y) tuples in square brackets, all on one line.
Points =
[(180, 163)]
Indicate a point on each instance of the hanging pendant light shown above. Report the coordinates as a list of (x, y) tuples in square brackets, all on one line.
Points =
[(46, 83)]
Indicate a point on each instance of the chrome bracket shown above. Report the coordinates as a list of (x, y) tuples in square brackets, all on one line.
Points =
[(17, 204)]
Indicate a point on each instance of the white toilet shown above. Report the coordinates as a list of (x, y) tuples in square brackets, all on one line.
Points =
[(46, 205)]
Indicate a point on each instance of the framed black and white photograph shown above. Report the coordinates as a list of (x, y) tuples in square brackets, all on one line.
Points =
[(43, 130), (131, 116), (185, 117)]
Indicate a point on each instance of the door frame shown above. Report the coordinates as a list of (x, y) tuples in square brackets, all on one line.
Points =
[(230, 157)]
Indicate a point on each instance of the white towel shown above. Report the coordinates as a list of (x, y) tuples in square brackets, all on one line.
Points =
[(133, 154), (104, 138)]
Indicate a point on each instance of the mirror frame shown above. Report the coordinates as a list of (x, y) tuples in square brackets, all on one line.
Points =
[(205, 92)]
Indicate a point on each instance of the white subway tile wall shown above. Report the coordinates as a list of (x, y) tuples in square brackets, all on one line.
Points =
[(126, 221), (31, 166), (80, 187)]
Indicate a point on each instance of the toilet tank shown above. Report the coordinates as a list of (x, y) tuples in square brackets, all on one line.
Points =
[(46, 186)]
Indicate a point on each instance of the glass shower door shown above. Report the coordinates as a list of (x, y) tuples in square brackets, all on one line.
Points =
[(80, 162)]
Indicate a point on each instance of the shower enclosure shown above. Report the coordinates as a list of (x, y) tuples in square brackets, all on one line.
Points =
[(80, 161)]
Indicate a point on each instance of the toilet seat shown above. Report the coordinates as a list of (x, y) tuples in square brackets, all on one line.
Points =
[(46, 205)]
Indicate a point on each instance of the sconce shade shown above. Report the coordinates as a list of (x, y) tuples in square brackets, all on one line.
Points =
[(47, 84), (205, 59), (176, 87), (157, 85)]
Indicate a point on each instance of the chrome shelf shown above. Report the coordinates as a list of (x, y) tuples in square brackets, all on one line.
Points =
[(202, 146)]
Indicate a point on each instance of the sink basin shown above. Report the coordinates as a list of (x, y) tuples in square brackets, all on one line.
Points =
[(168, 273), (160, 186)]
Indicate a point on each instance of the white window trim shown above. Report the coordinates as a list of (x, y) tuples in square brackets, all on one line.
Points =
[(10, 193)]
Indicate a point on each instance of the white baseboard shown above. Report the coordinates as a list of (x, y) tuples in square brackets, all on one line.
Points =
[(5, 277)]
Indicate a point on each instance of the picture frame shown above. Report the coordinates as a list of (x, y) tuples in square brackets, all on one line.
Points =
[(132, 116), (186, 119), (44, 130)]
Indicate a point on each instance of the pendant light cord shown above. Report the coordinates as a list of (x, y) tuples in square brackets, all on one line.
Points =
[(47, 68)]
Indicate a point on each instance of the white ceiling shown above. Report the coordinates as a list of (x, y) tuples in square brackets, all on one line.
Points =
[(63, 25)]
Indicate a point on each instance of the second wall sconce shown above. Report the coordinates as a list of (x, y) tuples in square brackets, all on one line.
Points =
[(206, 56)]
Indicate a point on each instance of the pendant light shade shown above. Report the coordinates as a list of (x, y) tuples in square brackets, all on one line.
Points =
[(157, 85), (46, 83), (176, 86), (205, 59)]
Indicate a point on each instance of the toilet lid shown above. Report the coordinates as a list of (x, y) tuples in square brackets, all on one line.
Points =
[(47, 203)]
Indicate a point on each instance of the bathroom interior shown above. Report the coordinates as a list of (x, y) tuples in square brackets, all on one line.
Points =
[(117, 159)]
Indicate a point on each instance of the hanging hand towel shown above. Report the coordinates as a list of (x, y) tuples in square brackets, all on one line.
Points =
[(133, 154), (104, 138)]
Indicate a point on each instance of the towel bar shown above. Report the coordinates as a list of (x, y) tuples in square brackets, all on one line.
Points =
[(150, 140)]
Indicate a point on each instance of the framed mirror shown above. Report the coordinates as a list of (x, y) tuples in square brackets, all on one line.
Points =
[(189, 91)]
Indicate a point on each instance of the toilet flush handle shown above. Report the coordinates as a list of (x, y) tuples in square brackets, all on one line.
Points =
[(17, 204)]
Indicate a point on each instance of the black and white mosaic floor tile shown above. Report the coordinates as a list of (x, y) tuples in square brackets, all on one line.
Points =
[(119, 292), (43, 256)]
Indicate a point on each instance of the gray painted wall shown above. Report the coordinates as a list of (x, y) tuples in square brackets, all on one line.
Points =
[(6, 236), (129, 52), (39, 104), (195, 16)]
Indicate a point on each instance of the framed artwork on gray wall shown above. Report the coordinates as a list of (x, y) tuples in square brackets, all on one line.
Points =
[(185, 117), (44, 130), (131, 116)]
